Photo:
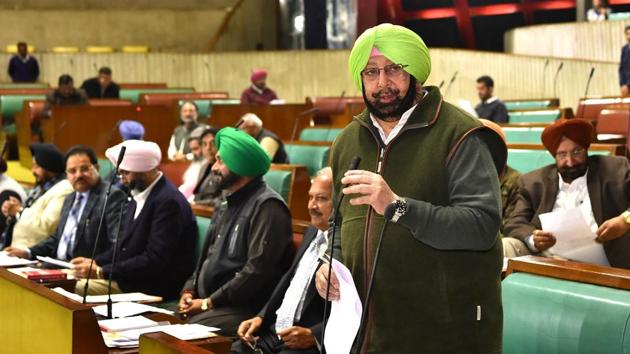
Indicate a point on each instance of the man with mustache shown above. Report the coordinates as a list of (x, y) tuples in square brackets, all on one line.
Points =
[(247, 249), (178, 149), (75, 235), (437, 284), (598, 185)]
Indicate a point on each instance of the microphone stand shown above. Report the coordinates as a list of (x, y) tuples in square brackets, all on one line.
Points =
[(448, 88), (354, 164), (588, 82), (297, 119), (543, 78), (555, 79), (111, 272), (100, 223)]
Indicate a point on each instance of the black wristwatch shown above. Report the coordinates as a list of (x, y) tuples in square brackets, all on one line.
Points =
[(401, 209)]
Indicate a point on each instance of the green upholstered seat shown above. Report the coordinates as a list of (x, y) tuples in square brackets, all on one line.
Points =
[(544, 116), (547, 316), (30, 85), (313, 157), (105, 168), (203, 224), (133, 95), (516, 105), (526, 160), (617, 16), (279, 181), (518, 135), (320, 134), (205, 106), (12, 104)]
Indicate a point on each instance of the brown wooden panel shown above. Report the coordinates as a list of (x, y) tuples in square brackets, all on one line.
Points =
[(142, 85), (298, 193), (162, 343), (174, 171), (590, 108), (202, 210)]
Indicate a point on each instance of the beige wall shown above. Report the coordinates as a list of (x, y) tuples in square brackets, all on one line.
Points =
[(169, 30), (591, 41), (295, 75)]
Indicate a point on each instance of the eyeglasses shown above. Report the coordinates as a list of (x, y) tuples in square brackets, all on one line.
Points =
[(80, 169), (391, 71), (577, 152)]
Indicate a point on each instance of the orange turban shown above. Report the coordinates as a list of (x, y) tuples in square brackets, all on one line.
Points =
[(580, 131)]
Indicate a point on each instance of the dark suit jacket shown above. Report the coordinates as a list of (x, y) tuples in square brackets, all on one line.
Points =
[(88, 224), (313, 308), (624, 66), (156, 253), (608, 183), (93, 89)]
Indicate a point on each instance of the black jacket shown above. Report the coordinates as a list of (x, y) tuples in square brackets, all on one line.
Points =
[(93, 89)]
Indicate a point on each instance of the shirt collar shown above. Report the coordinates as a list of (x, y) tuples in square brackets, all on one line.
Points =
[(401, 122), (490, 100), (137, 196), (576, 183), (258, 91)]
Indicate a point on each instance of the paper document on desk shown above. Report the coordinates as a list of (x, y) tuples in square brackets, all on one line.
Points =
[(56, 262), (574, 238), (127, 309), (102, 299), (345, 314), (9, 261)]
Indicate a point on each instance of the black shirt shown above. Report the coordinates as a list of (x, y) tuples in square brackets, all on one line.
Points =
[(93, 89), (493, 109)]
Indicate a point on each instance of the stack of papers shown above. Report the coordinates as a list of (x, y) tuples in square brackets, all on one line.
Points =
[(8, 261), (56, 262), (22, 271), (102, 299), (127, 309)]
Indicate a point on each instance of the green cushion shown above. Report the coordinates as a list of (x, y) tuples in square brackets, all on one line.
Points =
[(547, 116), (10, 129), (516, 105), (203, 224), (31, 85), (205, 106), (12, 104), (279, 181), (547, 315), (105, 168), (523, 135), (133, 95), (616, 16), (526, 160), (313, 157), (320, 134)]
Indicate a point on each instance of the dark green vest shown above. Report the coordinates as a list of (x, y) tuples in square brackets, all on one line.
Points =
[(424, 300)]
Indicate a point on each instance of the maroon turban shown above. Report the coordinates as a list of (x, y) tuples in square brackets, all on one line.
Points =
[(258, 74), (580, 131)]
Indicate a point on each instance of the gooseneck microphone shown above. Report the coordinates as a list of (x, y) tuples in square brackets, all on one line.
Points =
[(448, 88), (358, 343), (121, 155), (297, 119), (555, 79), (123, 205), (544, 76), (354, 164), (588, 82)]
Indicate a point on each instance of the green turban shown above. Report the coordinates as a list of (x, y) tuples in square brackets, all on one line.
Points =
[(398, 44), (241, 153)]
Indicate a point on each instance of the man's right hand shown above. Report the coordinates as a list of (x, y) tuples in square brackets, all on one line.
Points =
[(321, 283), (247, 329), (16, 252), (185, 302), (11, 207), (543, 240)]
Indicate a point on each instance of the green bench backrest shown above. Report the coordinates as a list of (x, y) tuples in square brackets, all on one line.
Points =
[(105, 168), (313, 157), (32, 85), (12, 104), (616, 16), (279, 181), (525, 160), (133, 95), (534, 116), (516, 105), (320, 134), (203, 224), (523, 135), (205, 106), (546, 315)]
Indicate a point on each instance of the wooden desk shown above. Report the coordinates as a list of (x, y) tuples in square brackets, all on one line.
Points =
[(162, 343)]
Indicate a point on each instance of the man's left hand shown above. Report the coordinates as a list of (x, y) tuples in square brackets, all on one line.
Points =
[(297, 337), (194, 307), (81, 267), (612, 229), (372, 187)]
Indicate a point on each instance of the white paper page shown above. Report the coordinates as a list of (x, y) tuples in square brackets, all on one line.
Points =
[(345, 314), (127, 309), (574, 238), (56, 262), (128, 323), (189, 331), (9, 261), (130, 297)]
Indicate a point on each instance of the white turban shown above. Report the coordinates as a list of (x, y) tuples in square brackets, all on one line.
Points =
[(140, 156)]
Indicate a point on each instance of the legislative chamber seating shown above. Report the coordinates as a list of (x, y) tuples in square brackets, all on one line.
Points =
[(320, 134), (314, 157), (529, 104), (133, 95), (528, 157), (204, 106), (535, 116), (591, 107)]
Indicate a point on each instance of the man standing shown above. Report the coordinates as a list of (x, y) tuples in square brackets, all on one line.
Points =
[(270, 142), (490, 107), (599, 186), (101, 86), (624, 65), (178, 149), (38, 216), (294, 312), (247, 250), (156, 249), (258, 92), (22, 66), (75, 235), (437, 285), (65, 94)]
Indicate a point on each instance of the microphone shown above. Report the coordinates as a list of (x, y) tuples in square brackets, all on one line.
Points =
[(121, 155), (123, 205), (297, 119), (441, 84), (542, 82), (588, 82), (354, 164), (450, 83), (388, 214), (555, 79)]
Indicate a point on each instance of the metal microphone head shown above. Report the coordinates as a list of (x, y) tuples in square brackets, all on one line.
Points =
[(121, 154), (389, 212), (560, 66), (592, 72), (454, 76), (354, 163)]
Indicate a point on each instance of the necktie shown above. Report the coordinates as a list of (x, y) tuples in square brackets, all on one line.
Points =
[(64, 250), (291, 308)]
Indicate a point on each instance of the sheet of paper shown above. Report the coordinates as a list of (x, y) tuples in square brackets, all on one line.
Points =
[(102, 299), (189, 331), (127, 309), (130, 338), (345, 314), (56, 262), (8, 261), (574, 238), (128, 323)]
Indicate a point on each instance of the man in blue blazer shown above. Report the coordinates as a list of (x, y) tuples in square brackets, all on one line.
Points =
[(155, 253)]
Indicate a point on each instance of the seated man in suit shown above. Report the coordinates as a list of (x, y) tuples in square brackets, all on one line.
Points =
[(80, 215), (599, 186), (65, 94), (178, 149), (294, 312), (248, 246), (157, 245), (33, 220), (270, 142), (206, 190), (101, 86)]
